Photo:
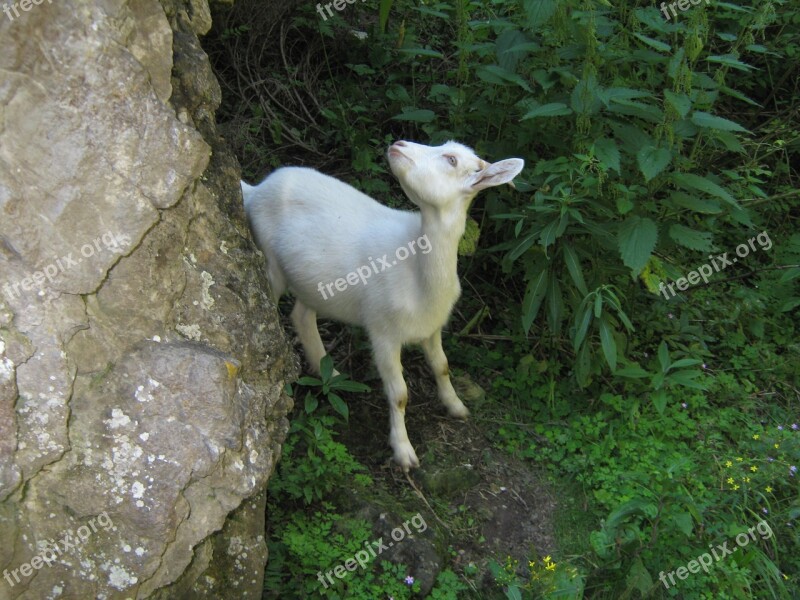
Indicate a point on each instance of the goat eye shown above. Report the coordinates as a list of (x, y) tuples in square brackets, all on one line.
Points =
[(452, 160)]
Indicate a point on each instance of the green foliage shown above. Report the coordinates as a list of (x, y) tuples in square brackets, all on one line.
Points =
[(329, 385), (314, 464), (649, 144)]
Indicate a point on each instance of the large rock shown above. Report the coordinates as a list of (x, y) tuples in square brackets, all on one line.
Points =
[(141, 364)]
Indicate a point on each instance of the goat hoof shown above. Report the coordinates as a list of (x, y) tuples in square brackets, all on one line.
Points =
[(405, 456), (459, 412)]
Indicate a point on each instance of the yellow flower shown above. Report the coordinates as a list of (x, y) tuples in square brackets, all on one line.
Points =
[(546, 559), (746, 479), (755, 436), (730, 480), (551, 567), (531, 564), (739, 459), (728, 463), (768, 489), (754, 468), (777, 446), (736, 487)]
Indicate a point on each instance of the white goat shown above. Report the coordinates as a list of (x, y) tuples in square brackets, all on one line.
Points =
[(314, 228)]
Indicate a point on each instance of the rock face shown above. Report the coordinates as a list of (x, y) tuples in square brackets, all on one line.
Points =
[(141, 364)]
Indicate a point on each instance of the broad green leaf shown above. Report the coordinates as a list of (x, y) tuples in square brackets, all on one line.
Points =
[(311, 403), (574, 268), (690, 238), (709, 121), (655, 44), (729, 60), (633, 371), (554, 109), (383, 12), (652, 161), (702, 184), (636, 240), (582, 328), (605, 149), (639, 577), (684, 523), (685, 362), (621, 93), (539, 12), (790, 304), (498, 75), (659, 398), (555, 306), (534, 294), (326, 367), (663, 356), (701, 205), (422, 115), (510, 48), (523, 246), (339, 406), (730, 141), (608, 344), (680, 102), (585, 96), (687, 378)]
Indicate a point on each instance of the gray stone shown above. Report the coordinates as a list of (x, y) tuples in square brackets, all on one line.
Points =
[(141, 363)]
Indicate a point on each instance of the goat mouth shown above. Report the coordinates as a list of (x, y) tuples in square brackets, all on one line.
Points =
[(395, 152)]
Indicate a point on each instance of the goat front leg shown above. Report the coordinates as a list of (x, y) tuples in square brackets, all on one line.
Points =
[(438, 363), (387, 359), (304, 320)]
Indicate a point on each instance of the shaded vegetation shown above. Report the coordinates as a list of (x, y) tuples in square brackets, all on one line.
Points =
[(653, 147)]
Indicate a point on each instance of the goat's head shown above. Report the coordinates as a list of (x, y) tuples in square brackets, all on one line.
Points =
[(441, 175)]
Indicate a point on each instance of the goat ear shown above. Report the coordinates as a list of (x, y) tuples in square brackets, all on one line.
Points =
[(497, 174)]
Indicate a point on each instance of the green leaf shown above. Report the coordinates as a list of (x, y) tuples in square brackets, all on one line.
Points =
[(701, 205), (655, 44), (687, 378), (582, 328), (309, 381), (683, 521), (349, 386), (383, 13), (311, 403), (702, 184), (574, 268), (659, 398), (729, 60), (663, 356), (606, 150), (685, 362), (499, 75), (709, 121), (790, 304), (652, 161), (636, 239), (339, 406), (639, 577), (680, 102), (691, 238), (513, 593), (554, 109), (539, 12), (422, 115), (585, 97), (633, 371), (326, 367), (555, 306), (533, 299), (608, 343)]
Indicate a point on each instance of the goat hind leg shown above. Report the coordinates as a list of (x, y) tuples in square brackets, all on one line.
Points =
[(305, 323)]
